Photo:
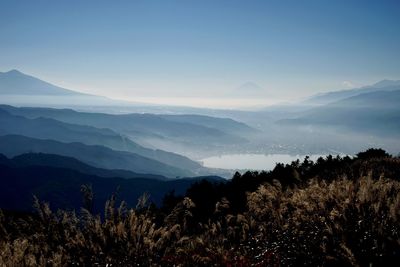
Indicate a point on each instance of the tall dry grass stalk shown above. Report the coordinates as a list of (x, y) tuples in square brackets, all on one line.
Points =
[(339, 223)]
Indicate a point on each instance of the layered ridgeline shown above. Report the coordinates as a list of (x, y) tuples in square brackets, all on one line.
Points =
[(326, 98), (59, 161), (183, 134), (168, 131), (44, 128), (371, 112), (88, 128), (99, 156), (58, 180)]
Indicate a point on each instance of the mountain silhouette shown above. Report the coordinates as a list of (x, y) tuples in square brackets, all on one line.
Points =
[(94, 155), (15, 82)]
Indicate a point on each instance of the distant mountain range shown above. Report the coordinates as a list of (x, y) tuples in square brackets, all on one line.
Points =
[(152, 133), (45, 128), (325, 98), (192, 131), (369, 110)]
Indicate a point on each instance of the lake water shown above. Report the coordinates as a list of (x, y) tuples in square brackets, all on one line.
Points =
[(252, 161)]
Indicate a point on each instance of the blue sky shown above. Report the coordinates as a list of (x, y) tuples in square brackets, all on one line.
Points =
[(130, 49)]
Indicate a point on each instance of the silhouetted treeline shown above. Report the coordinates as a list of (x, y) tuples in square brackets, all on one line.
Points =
[(207, 193)]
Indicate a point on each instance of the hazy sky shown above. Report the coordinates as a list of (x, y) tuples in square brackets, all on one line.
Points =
[(130, 49)]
